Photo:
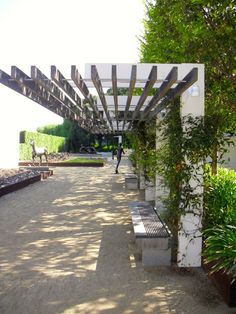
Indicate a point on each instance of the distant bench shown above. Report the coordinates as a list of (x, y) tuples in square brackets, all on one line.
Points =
[(153, 239)]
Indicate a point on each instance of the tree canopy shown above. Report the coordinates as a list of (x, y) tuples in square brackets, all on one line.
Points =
[(197, 31)]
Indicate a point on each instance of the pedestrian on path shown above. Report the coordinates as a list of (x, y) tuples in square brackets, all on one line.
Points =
[(120, 151)]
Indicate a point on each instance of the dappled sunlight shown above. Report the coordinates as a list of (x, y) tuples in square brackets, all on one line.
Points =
[(67, 245), (98, 306)]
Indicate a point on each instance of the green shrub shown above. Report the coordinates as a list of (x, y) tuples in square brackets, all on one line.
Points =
[(220, 198), (53, 144), (220, 248), (220, 220)]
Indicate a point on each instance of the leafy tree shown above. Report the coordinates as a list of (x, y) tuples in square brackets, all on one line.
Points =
[(197, 31)]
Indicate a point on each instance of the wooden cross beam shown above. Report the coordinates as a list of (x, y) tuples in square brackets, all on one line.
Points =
[(115, 92), (79, 82), (187, 81), (7, 80), (43, 82), (27, 82), (170, 79), (60, 80), (98, 85), (148, 86), (130, 92)]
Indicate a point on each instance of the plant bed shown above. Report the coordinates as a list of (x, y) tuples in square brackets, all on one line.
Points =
[(10, 183), (223, 283), (69, 163)]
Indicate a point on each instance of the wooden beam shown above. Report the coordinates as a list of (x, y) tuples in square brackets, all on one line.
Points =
[(187, 81), (115, 91), (60, 80), (43, 82), (148, 86), (130, 92), (68, 112), (79, 82), (20, 88), (98, 85), (170, 79)]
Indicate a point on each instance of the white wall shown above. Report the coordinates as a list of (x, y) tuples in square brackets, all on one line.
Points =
[(9, 134)]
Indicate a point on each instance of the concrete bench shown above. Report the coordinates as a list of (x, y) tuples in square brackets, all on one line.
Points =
[(131, 181), (152, 237)]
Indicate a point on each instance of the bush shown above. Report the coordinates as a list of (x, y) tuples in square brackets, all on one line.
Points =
[(220, 248), (53, 144), (220, 198), (220, 220)]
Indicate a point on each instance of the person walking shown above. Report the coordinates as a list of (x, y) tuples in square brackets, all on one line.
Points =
[(120, 151)]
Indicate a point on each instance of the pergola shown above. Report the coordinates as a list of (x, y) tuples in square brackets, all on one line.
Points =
[(72, 99), (158, 84)]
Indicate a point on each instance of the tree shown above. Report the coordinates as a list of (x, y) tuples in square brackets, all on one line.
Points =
[(197, 31)]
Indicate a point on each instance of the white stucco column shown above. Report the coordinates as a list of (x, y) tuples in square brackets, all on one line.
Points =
[(189, 235), (161, 190)]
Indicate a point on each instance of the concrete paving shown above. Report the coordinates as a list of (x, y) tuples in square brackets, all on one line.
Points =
[(67, 246)]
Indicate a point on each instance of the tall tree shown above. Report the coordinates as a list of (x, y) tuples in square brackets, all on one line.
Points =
[(197, 31)]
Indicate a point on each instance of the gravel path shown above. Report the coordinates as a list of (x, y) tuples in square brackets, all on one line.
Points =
[(67, 246)]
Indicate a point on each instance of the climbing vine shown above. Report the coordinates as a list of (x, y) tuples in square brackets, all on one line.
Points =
[(185, 143)]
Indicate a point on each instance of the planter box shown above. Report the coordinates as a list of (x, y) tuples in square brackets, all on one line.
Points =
[(131, 181), (19, 185), (224, 285), (150, 192)]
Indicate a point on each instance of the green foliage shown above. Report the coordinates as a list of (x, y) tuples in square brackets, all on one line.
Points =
[(83, 160), (197, 31), (143, 140), (57, 130), (220, 248), (220, 220), (220, 198), (52, 143)]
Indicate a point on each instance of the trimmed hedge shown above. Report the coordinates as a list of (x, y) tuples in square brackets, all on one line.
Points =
[(54, 144)]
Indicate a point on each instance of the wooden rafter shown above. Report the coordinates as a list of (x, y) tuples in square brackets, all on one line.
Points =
[(130, 92), (164, 88), (115, 91), (79, 82), (27, 82), (98, 85), (20, 88), (43, 82), (148, 86), (60, 80), (187, 81)]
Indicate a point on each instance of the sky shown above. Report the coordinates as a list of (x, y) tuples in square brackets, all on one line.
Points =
[(62, 33)]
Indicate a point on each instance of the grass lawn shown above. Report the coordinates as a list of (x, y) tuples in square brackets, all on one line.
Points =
[(83, 160)]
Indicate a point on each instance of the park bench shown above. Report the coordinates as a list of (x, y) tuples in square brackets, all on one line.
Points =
[(152, 237)]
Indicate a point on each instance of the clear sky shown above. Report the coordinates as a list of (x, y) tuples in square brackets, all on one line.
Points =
[(62, 33)]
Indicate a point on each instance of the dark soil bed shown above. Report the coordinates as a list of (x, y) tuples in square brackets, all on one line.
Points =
[(14, 179)]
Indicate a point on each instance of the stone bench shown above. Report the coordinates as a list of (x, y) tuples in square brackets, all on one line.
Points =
[(152, 237), (131, 181)]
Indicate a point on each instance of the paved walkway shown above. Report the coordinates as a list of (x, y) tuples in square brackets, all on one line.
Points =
[(66, 246)]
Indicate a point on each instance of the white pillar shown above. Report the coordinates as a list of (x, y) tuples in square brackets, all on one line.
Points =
[(161, 190), (189, 235)]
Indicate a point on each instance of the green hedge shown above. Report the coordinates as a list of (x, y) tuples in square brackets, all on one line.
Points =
[(53, 144)]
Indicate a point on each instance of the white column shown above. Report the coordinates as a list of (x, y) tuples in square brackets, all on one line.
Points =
[(190, 236), (161, 190)]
